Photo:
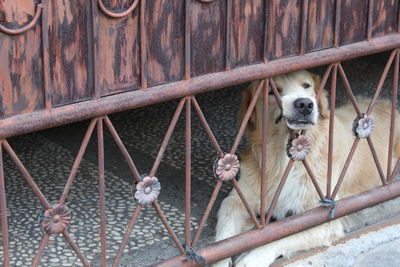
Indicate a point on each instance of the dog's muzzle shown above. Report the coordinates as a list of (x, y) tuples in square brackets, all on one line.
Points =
[(302, 113)]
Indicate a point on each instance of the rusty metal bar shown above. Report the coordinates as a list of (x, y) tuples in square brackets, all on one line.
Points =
[(206, 213), (41, 248), (294, 224), (265, 37), (348, 90), (167, 137), (120, 14), (323, 81), (375, 156), (345, 167), (370, 18), (247, 117), (398, 19), (143, 45), (188, 165), (95, 48), (278, 191), (102, 201), (123, 149), (169, 228), (393, 116), (313, 179), (39, 120), (206, 127), (338, 10), (77, 161), (381, 81), (28, 26), (303, 36), (127, 235), (265, 122), (331, 129), (76, 249), (45, 56), (3, 210), (187, 39), (276, 93), (245, 203), (228, 35), (26, 175)]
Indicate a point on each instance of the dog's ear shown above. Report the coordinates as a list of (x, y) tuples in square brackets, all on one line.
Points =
[(246, 99), (323, 105)]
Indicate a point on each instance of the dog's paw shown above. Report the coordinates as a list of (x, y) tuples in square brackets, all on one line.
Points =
[(223, 263), (255, 258)]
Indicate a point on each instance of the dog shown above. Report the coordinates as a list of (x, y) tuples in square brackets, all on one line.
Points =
[(301, 111)]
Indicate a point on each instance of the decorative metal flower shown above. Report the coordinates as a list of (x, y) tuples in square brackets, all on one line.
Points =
[(299, 148), (147, 190), (363, 127), (56, 219), (228, 167)]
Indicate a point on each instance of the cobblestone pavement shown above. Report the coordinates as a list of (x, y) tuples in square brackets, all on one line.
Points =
[(48, 156)]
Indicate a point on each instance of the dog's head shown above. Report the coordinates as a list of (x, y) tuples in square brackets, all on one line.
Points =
[(299, 104), (300, 108)]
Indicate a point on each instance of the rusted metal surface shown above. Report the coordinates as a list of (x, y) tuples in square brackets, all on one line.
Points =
[(118, 40), (21, 68), (65, 61), (79, 111), (320, 24), (4, 217), (284, 25), (102, 47), (27, 27), (208, 46), (385, 15), (332, 104), (354, 20), (247, 38), (393, 116), (117, 15), (288, 226), (165, 47), (70, 51)]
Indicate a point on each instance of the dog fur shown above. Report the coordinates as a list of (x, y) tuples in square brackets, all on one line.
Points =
[(298, 193)]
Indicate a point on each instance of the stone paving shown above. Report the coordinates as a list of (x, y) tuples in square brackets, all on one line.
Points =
[(48, 156)]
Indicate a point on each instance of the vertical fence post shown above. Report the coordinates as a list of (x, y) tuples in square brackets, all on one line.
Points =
[(3, 210), (102, 203), (188, 158)]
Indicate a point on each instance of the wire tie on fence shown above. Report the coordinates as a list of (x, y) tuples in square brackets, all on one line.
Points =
[(192, 255), (325, 202)]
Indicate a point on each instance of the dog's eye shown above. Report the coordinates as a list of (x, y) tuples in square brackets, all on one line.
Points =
[(306, 85)]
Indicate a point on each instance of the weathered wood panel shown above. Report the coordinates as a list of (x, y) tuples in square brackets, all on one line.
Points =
[(165, 24), (353, 21), (208, 36), (320, 24), (21, 70), (284, 26), (385, 17), (69, 35), (119, 49), (247, 39)]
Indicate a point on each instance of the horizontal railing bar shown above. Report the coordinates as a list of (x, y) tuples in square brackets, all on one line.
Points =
[(294, 224), (44, 119)]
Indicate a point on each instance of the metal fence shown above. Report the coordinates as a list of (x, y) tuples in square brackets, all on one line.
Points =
[(56, 217)]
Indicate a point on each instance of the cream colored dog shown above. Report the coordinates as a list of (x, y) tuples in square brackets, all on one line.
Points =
[(300, 111)]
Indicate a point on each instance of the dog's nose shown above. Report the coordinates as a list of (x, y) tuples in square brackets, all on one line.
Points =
[(303, 105)]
